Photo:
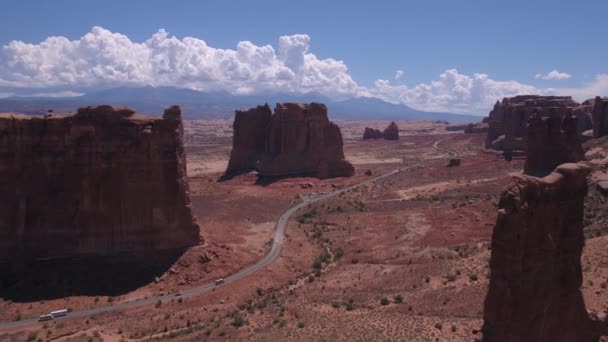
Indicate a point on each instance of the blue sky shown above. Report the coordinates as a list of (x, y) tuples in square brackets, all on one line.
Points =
[(507, 41)]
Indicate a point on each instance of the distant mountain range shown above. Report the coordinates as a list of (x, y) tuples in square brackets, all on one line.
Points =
[(213, 105)]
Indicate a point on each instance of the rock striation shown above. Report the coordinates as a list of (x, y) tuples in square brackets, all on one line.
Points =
[(298, 139), (101, 181), (391, 132), (551, 141), (599, 114), (535, 267), (509, 118)]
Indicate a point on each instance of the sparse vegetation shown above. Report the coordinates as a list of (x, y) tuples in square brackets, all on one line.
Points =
[(398, 299), (300, 325), (384, 301)]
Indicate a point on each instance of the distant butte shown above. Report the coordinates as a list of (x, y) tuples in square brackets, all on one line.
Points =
[(297, 140)]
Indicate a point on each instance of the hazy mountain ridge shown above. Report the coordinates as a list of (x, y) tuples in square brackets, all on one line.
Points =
[(208, 105)]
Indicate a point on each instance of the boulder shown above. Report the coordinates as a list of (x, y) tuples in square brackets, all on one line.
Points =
[(535, 267), (102, 181), (297, 140)]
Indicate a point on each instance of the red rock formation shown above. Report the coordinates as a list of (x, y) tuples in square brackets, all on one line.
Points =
[(249, 137), (599, 114), (298, 139), (391, 132), (473, 128), (510, 117), (101, 181), (551, 141), (535, 267)]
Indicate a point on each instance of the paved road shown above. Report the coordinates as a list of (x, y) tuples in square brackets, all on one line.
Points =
[(278, 239)]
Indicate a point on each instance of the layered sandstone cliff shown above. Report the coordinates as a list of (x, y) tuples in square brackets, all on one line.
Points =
[(551, 141), (102, 181), (509, 118), (599, 114), (298, 139), (391, 132), (535, 267)]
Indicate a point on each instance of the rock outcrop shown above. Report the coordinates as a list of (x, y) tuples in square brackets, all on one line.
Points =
[(102, 181), (476, 128), (248, 137), (372, 133), (510, 117), (599, 114), (535, 267), (298, 139), (391, 132), (551, 141)]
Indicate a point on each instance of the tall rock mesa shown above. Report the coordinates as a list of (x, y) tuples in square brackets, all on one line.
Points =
[(102, 181), (551, 141), (507, 122), (535, 267), (599, 114), (297, 140)]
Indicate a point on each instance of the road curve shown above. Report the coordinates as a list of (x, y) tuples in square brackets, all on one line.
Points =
[(278, 239)]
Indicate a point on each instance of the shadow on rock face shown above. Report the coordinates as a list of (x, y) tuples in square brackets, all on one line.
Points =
[(83, 276)]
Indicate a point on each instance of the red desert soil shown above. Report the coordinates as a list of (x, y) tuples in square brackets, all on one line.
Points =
[(404, 258)]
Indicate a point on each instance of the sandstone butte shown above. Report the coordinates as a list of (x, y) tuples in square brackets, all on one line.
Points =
[(551, 141), (297, 140), (101, 181), (535, 267), (507, 122), (599, 114), (391, 132)]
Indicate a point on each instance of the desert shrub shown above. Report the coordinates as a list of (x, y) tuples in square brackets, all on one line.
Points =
[(335, 305), (438, 325), (238, 320), (300, 325), (384, 301), (311, 279), (338, 253), (158, 303), (453, 328), (260, 291), (473, 277), (32, 336), (398, 299)]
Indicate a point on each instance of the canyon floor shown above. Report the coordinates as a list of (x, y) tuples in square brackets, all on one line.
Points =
[(402, 259)]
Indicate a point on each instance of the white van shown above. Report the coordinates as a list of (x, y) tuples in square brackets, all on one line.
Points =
[(219, 281), (46, 317), (59, 313)]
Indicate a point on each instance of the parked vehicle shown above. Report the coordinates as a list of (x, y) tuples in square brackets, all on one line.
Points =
[(46, 317), (59, 313), (219, 281)]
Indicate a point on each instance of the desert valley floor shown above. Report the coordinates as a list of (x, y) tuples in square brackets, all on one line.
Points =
[(404, 258)]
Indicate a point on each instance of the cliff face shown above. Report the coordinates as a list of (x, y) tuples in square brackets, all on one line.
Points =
[(391, 132), (551, 141), (298, 139), (249, 137), (535, 281), (510, 117), (599, 114), (102, 181)]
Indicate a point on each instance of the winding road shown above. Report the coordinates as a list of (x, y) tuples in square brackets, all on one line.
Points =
[(273, 254)]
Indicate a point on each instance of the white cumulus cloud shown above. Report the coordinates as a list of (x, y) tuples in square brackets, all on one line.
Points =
[(102, 58), (553, 75)]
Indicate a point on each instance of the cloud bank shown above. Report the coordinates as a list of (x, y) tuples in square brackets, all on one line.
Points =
[(104, 59)]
